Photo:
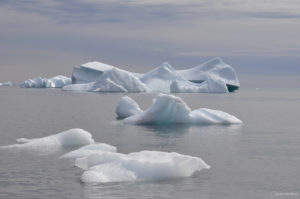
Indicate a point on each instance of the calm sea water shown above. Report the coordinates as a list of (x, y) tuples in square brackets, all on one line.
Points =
[(258, 159)]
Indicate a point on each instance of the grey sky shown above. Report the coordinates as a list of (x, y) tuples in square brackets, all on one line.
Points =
[(50, 37)]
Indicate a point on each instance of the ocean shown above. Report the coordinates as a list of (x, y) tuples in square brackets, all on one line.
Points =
[(257, 159)]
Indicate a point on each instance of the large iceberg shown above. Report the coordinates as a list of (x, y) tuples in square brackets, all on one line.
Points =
[(213, 76), (169, 109), (6, 84), (138, 166), (69, 138), (54, 82)]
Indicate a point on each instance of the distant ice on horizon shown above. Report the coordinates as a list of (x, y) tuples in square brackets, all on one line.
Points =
[(58, 81), (8, 83)]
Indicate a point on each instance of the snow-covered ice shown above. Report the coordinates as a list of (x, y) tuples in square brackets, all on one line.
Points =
[(213, 76), (138, 166), (54, 82), (70, 138), (169, 109)]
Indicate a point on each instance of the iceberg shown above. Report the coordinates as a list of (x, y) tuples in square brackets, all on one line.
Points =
[(213, 76), (6, 84), (138, 166), (70, 138), (169, 109), (90, 149), (54, 82), (214, 69)]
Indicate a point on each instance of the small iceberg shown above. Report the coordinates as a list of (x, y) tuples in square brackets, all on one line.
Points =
[(169, 109), (9, 84), (69, 138), (138, 166), (213, 76), (127, 107), (58, 81)]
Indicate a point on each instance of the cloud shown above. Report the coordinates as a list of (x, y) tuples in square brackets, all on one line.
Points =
[(139, 11), (145, 32)]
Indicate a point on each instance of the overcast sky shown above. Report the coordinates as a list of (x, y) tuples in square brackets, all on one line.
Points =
[(50, 37)]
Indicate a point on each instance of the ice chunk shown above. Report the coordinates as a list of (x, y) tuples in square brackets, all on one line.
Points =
[(69, 138), (169, 109), (143, 165), (90, 149), (127, 107), (53, 82), (216, 68), (6, 84)]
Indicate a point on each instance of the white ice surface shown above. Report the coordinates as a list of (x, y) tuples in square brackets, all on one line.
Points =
[(169, 109), (127, 107), (214, 69), (90, 149), (6, 84), (117, 80), (210, 85), (54, 82), (97, 66), (89, 72), (112, 80), (144, 165), (69, 138)]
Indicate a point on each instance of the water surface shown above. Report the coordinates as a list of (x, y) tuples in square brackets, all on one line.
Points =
[(258, 159)]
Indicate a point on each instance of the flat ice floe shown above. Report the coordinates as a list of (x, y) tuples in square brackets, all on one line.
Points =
[(6, 84), (101, 163), (69, 138), (138, 166), (169, 109), (213, 76), (90, 149), (54, 82)]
